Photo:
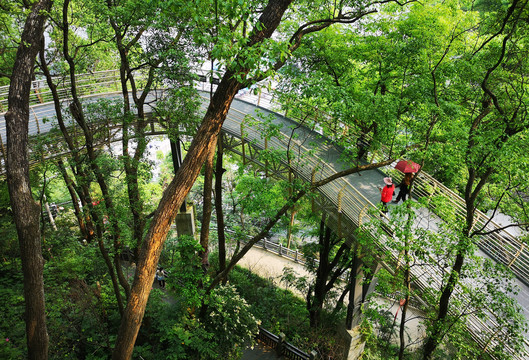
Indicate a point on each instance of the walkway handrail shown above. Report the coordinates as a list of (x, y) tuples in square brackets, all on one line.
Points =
[(283, 348), (88, 83)]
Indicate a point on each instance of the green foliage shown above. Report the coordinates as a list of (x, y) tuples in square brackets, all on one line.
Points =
[(175, 331), (260, 197), (281, 311), (12, 328), (278, 310), (186, 273), (8, 236), (488, 295), (231, 321), (178, 111)]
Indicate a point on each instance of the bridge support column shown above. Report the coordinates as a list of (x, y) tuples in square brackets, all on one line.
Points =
[(185, 219), (363, 283), (353, 343)]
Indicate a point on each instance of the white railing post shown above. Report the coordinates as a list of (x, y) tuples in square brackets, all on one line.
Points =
[(242, 144)]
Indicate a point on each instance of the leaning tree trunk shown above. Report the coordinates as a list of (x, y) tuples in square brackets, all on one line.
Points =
[(172, 199), (25, 210)]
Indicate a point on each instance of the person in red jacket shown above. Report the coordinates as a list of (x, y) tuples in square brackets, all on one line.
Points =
[(386, 193)]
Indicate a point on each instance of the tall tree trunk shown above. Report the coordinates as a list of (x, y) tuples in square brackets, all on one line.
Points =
[(77, 111), (26, 211), (322, 274), (206, 210), (80, 171), (435, 338), (332, 264), (356, 263), (164, 215), (404, 306), (471, 193), (132, 162), (86, 231), (221, 234)]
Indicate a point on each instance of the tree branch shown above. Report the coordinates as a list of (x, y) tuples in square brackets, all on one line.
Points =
[(292, 200)]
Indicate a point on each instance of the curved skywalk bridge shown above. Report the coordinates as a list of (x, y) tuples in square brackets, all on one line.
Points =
[(349, 200)]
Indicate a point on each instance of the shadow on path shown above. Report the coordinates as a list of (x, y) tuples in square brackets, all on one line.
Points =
[(259, 352)]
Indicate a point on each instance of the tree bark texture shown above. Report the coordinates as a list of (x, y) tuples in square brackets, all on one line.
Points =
[(25, 210)]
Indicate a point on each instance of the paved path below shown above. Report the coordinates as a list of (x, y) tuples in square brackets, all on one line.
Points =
[(269, 265), (259, 352)]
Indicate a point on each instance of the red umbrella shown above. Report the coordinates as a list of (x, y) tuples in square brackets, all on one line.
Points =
[(407, 166)]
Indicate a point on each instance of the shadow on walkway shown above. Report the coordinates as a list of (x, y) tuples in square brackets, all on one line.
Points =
[(259, 352)]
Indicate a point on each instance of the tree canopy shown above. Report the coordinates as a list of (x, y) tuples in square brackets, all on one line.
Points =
[(442, 83)]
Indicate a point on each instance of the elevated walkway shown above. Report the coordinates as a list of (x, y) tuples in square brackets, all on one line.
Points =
[(350, 200)]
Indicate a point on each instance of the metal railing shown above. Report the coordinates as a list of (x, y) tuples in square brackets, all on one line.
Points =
[(281, 250), (87, 84), (283, 349)]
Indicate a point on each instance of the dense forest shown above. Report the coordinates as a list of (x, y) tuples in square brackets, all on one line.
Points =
[(441, 83)]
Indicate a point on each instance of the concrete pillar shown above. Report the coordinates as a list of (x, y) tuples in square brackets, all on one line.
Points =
[(280, 344), (313, 355), (353, 344), (363, 283), (185, 221)]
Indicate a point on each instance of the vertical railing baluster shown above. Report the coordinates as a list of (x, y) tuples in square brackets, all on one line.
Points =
[(242, 144), (266, 161)]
